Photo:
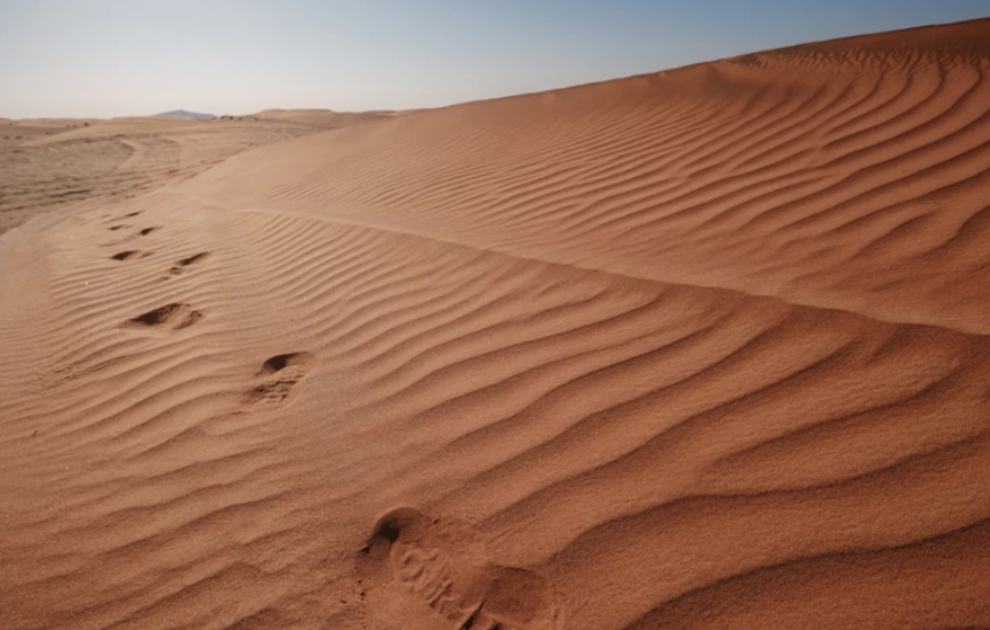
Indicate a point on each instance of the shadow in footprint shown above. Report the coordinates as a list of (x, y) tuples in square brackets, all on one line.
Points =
[(172, 316), (126, 255), (181, 266), (434, 573), (277, 378), (148, 230), (192, 260)]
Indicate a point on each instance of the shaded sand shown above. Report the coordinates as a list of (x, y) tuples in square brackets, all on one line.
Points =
[(699, 349)]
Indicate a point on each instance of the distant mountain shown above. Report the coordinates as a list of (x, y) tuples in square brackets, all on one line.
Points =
[(181, 113)]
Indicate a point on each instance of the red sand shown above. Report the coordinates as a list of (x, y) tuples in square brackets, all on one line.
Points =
[(699, 349)]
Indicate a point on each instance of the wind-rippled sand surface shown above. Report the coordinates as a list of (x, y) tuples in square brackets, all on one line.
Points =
[(706, 348)]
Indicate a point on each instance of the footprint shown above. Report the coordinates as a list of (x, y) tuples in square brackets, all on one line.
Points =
[(435, 573), (180, 266), (191, 260), (131, 254), (170, 317), (277, 378)]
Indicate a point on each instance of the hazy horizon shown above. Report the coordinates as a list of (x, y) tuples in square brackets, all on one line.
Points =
[(100, 59)]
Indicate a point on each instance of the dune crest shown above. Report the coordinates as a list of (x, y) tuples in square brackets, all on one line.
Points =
[(705, 348)]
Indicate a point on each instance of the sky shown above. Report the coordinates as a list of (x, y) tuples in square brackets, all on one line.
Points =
[(104, 58)]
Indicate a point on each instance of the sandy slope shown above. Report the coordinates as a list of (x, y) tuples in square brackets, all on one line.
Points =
[(700, 349)]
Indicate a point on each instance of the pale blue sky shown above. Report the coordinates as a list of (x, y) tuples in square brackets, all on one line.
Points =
[(130, 57)]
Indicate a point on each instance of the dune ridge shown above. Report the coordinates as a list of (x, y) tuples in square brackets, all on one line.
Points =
[(699, 349)]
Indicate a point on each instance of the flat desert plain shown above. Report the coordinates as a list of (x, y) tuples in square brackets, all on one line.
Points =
[(704, 348)]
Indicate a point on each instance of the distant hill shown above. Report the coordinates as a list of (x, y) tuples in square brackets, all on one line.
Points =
[(181, 113)]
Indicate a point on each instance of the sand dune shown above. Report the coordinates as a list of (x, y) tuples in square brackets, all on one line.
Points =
[(824, 175), (699, 349)]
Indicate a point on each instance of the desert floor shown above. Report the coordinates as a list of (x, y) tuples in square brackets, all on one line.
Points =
[(704, 348)]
